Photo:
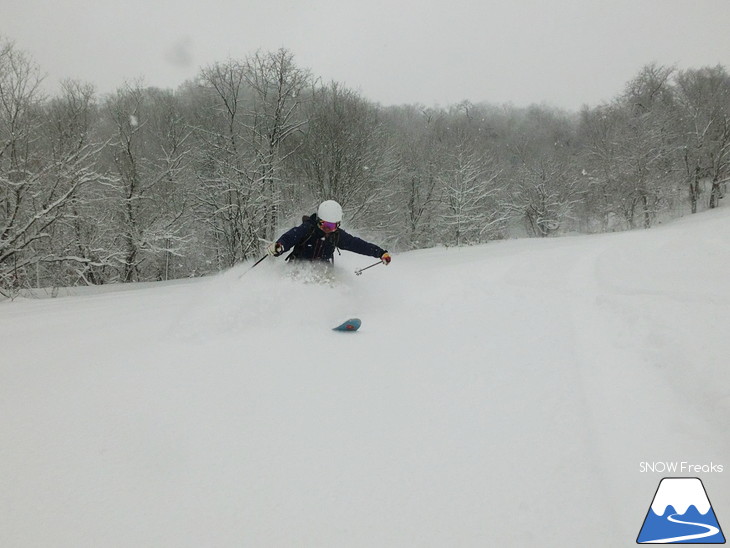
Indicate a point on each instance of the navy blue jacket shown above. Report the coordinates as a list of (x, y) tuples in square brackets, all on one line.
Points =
[(311, 243)]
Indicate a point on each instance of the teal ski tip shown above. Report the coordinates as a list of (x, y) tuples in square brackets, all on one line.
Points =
[(353, 324)]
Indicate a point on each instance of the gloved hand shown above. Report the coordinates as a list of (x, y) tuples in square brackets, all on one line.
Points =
[(386, 258), (275, 249)]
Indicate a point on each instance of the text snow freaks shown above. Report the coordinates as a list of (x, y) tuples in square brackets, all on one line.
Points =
[(680, 468)]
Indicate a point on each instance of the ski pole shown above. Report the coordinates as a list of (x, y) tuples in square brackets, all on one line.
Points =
[(359, 271), (253, 266)]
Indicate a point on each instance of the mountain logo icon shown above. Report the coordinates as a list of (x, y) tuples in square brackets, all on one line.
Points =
[(680, 513)]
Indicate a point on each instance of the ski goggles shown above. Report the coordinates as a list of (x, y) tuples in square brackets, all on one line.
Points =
[(326, 226)]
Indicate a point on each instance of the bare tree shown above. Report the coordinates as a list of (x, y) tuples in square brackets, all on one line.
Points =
[(38, 183), (648, 141), (598, 131), (345, 154), (154, 184), (228, 186), (149, 151), (703, 98), (545, 194), (417, 196), (76, 252), (629, 150), (272, 118), (469, 193), (168, 158)]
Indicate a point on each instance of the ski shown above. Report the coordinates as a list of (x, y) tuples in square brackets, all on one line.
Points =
[(353, 324)]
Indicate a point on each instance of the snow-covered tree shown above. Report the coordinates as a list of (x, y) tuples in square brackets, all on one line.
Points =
[(228, 198), (469, 192), (196, 180), (545, 194), (344, 152), (628, 152), (77, 250), (149, 149), (647, 142), (703, 98), (272, 117), (416, 195), (248, 110), (40, 175)]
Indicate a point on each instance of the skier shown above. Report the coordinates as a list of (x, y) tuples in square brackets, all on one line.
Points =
[(318, 236)]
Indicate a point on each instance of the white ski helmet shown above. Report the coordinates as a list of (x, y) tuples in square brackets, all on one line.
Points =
[(330, 211)]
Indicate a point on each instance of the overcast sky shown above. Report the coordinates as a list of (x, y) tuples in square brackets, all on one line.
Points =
[(565, 53)]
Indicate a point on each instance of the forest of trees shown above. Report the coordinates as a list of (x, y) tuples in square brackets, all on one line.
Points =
[(153, 184)]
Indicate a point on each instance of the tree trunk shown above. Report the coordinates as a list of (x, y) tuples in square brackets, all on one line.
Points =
[(715, 194)]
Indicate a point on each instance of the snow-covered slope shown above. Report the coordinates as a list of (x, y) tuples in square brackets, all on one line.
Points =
[(502, 395)]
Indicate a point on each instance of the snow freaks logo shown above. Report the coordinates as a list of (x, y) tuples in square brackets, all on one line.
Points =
[(680, 468), (680, 513)]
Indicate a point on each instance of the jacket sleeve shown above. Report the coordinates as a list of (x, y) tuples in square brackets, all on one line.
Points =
[(292, 237), (352, 243)]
